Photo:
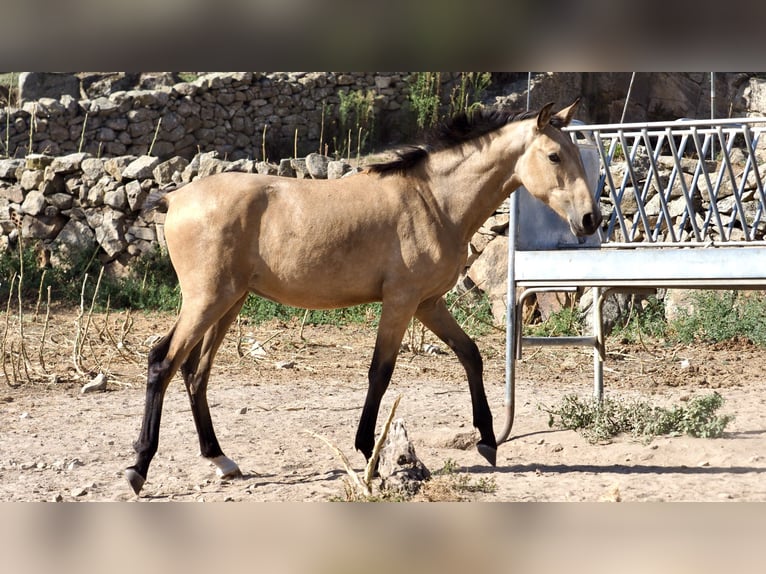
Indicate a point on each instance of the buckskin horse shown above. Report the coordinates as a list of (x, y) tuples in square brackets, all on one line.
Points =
[(396, 233)]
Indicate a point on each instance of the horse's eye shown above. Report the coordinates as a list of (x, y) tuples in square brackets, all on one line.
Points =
[(554, 157)]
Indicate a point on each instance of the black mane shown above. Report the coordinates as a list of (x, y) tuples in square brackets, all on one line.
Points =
[(453, 132)]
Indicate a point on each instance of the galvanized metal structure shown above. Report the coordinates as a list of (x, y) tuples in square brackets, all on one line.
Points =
[(674, 217)]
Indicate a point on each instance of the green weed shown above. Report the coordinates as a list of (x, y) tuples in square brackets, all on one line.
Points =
[(601, 420), (564, 323), (723, 315), (646, 317)]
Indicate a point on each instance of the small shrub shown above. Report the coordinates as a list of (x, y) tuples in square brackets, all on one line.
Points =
[(449, 484), (646, 319), (723, 315), (601, 420), (566, 322)]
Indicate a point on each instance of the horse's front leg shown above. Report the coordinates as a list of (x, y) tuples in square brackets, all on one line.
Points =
[(435, 315), (393, 324)]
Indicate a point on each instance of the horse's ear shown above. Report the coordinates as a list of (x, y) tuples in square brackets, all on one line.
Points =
[(544, 116), (567, 114)]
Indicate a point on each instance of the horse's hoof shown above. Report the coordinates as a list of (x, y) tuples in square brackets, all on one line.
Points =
[(488, 452), (135, 480), (225, 467)]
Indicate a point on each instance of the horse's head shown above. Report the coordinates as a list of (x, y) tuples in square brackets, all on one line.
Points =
[(552, 171)]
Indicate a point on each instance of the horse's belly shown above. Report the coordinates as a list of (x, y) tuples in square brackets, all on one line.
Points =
[(317, 290)]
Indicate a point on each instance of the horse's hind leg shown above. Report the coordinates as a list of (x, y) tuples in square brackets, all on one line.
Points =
[(164, 360), (196, 373), (435, 315), (158, 377)]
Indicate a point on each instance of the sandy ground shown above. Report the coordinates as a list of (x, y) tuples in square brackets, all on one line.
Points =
[(59, 444)]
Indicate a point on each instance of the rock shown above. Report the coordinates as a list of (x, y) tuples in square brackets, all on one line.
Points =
[(284, 364), (31, 179), (490, 274), (170, 171), (92, 168), (116, 165), (74, 237), (210, 163), (135, 195), (67, 164), (266, 168), (463, 440), (36, 85), (317, 165), (299, 166), (9, 168), (97, 384), (285, 168), (37, 161), (399, 467), (337, 169), (116, 199), (257, 350), (141, 167), (34, 203)]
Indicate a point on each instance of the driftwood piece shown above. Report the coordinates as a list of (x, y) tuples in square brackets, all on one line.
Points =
[(399, 468)]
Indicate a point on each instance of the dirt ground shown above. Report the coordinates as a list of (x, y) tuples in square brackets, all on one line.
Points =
[(57, 443)]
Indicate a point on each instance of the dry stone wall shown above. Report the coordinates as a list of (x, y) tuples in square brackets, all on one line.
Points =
[(235, 114)]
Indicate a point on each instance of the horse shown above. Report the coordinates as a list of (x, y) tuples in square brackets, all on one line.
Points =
[(397, 233)]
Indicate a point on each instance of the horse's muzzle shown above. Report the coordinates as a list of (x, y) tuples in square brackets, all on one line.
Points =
[(588, 226)]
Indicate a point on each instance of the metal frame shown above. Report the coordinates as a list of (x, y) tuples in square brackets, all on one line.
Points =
[(643, 249)]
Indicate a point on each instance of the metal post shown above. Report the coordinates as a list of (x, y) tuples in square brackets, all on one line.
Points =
[(598, 349), (511, 320)]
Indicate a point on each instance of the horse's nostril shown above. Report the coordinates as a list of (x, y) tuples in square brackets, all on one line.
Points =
[(590, 221)]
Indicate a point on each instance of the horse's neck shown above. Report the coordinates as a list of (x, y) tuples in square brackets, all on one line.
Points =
[(470, 187)]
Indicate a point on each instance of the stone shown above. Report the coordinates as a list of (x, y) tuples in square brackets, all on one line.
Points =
[(490, 274), (92, 168), (9, 167), (116, 165), (98, 383), (37, 161), (337, 168), (34, 203), (12, 193), (316, 165), (136, 195), (400, 469), (209, 164), (60, 201), (31, 179), (41, 226), (299, 167), (116, 199), (170, 171), (266, 168), (110, 234), (36, 85), (285, 168), (70, 163), (140, 168)]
